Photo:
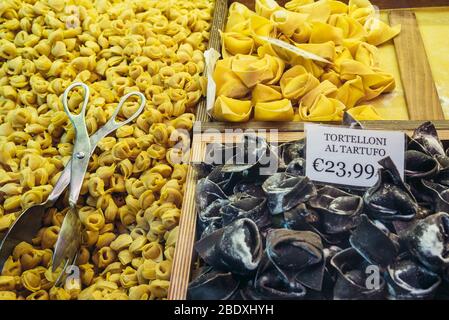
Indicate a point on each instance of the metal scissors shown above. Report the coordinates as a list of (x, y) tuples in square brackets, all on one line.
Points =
[(29, 222)]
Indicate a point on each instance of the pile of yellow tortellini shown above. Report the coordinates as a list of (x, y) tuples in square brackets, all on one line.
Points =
[(273, 83), (133, 190)]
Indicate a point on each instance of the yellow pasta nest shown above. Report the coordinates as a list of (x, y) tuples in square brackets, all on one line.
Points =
[(280, 84), (132, 192)]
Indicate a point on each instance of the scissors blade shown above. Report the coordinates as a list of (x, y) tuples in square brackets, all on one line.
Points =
[(69, 237), (69, 241)]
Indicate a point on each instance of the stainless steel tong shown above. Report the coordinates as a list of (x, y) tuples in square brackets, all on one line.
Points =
[(29, 222)]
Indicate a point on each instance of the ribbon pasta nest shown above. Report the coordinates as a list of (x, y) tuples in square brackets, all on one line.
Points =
[(260, 76), (133, 189)]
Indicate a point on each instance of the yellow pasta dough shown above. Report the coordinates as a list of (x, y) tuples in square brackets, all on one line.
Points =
[(253, 66), (280, 110), (229, 109), (115, 47)]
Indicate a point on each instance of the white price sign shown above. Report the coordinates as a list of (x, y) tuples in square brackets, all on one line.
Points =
[(350, 156)]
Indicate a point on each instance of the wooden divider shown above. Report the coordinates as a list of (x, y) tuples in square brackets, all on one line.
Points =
[(420, 92), (182, 259), (299, 126), (218, 24)]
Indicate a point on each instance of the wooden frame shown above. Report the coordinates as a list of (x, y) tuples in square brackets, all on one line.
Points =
[(206, 131), (420, 92), (299, 126), (184, 255), (419, 87)]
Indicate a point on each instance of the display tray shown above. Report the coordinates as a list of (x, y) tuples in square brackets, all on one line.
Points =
[(421, 89), (185, 255)]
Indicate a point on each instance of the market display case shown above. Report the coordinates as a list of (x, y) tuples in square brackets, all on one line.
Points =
[(139, 202), (414, 57), (186, 265), (423, 88)]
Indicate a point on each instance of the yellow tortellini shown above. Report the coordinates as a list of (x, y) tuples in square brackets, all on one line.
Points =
[(260, 74), (132, 192), (278, 110), (229, 109)]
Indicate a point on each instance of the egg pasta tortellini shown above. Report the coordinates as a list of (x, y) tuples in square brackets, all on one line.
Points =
[(255, 74), (115, 47)]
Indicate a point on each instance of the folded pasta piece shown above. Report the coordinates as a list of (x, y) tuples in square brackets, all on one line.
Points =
[(322, 109), (292, 4), (285, 49), (7, 155), (374, 82), (352, 29), (251, 70), (318, 11), (125, 49), (6, 129), (325, 50), (331, 76), (233, 43), (322, 32), (363, 52), (280, 110), (297, 117), (367, 54), (265, 93), (268, 49), (238, 18), (296, 82), (232, 110), (364, 112), (302, 33), (337, 7), (351, 92), (287, 21), (350, 69), (380, 32), (227, 82), (275, 70), (265, 8), (377, 83), (361, 10), (342, 54), (260, 27), (325, 88), (315, 68)]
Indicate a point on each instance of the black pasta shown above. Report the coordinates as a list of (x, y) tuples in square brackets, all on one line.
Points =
[(338, 209), (281, 236), (390, 198)]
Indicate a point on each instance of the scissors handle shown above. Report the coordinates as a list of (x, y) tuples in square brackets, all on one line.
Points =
[(112, 124), (65, 100), (82, 147), (65, 177)]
